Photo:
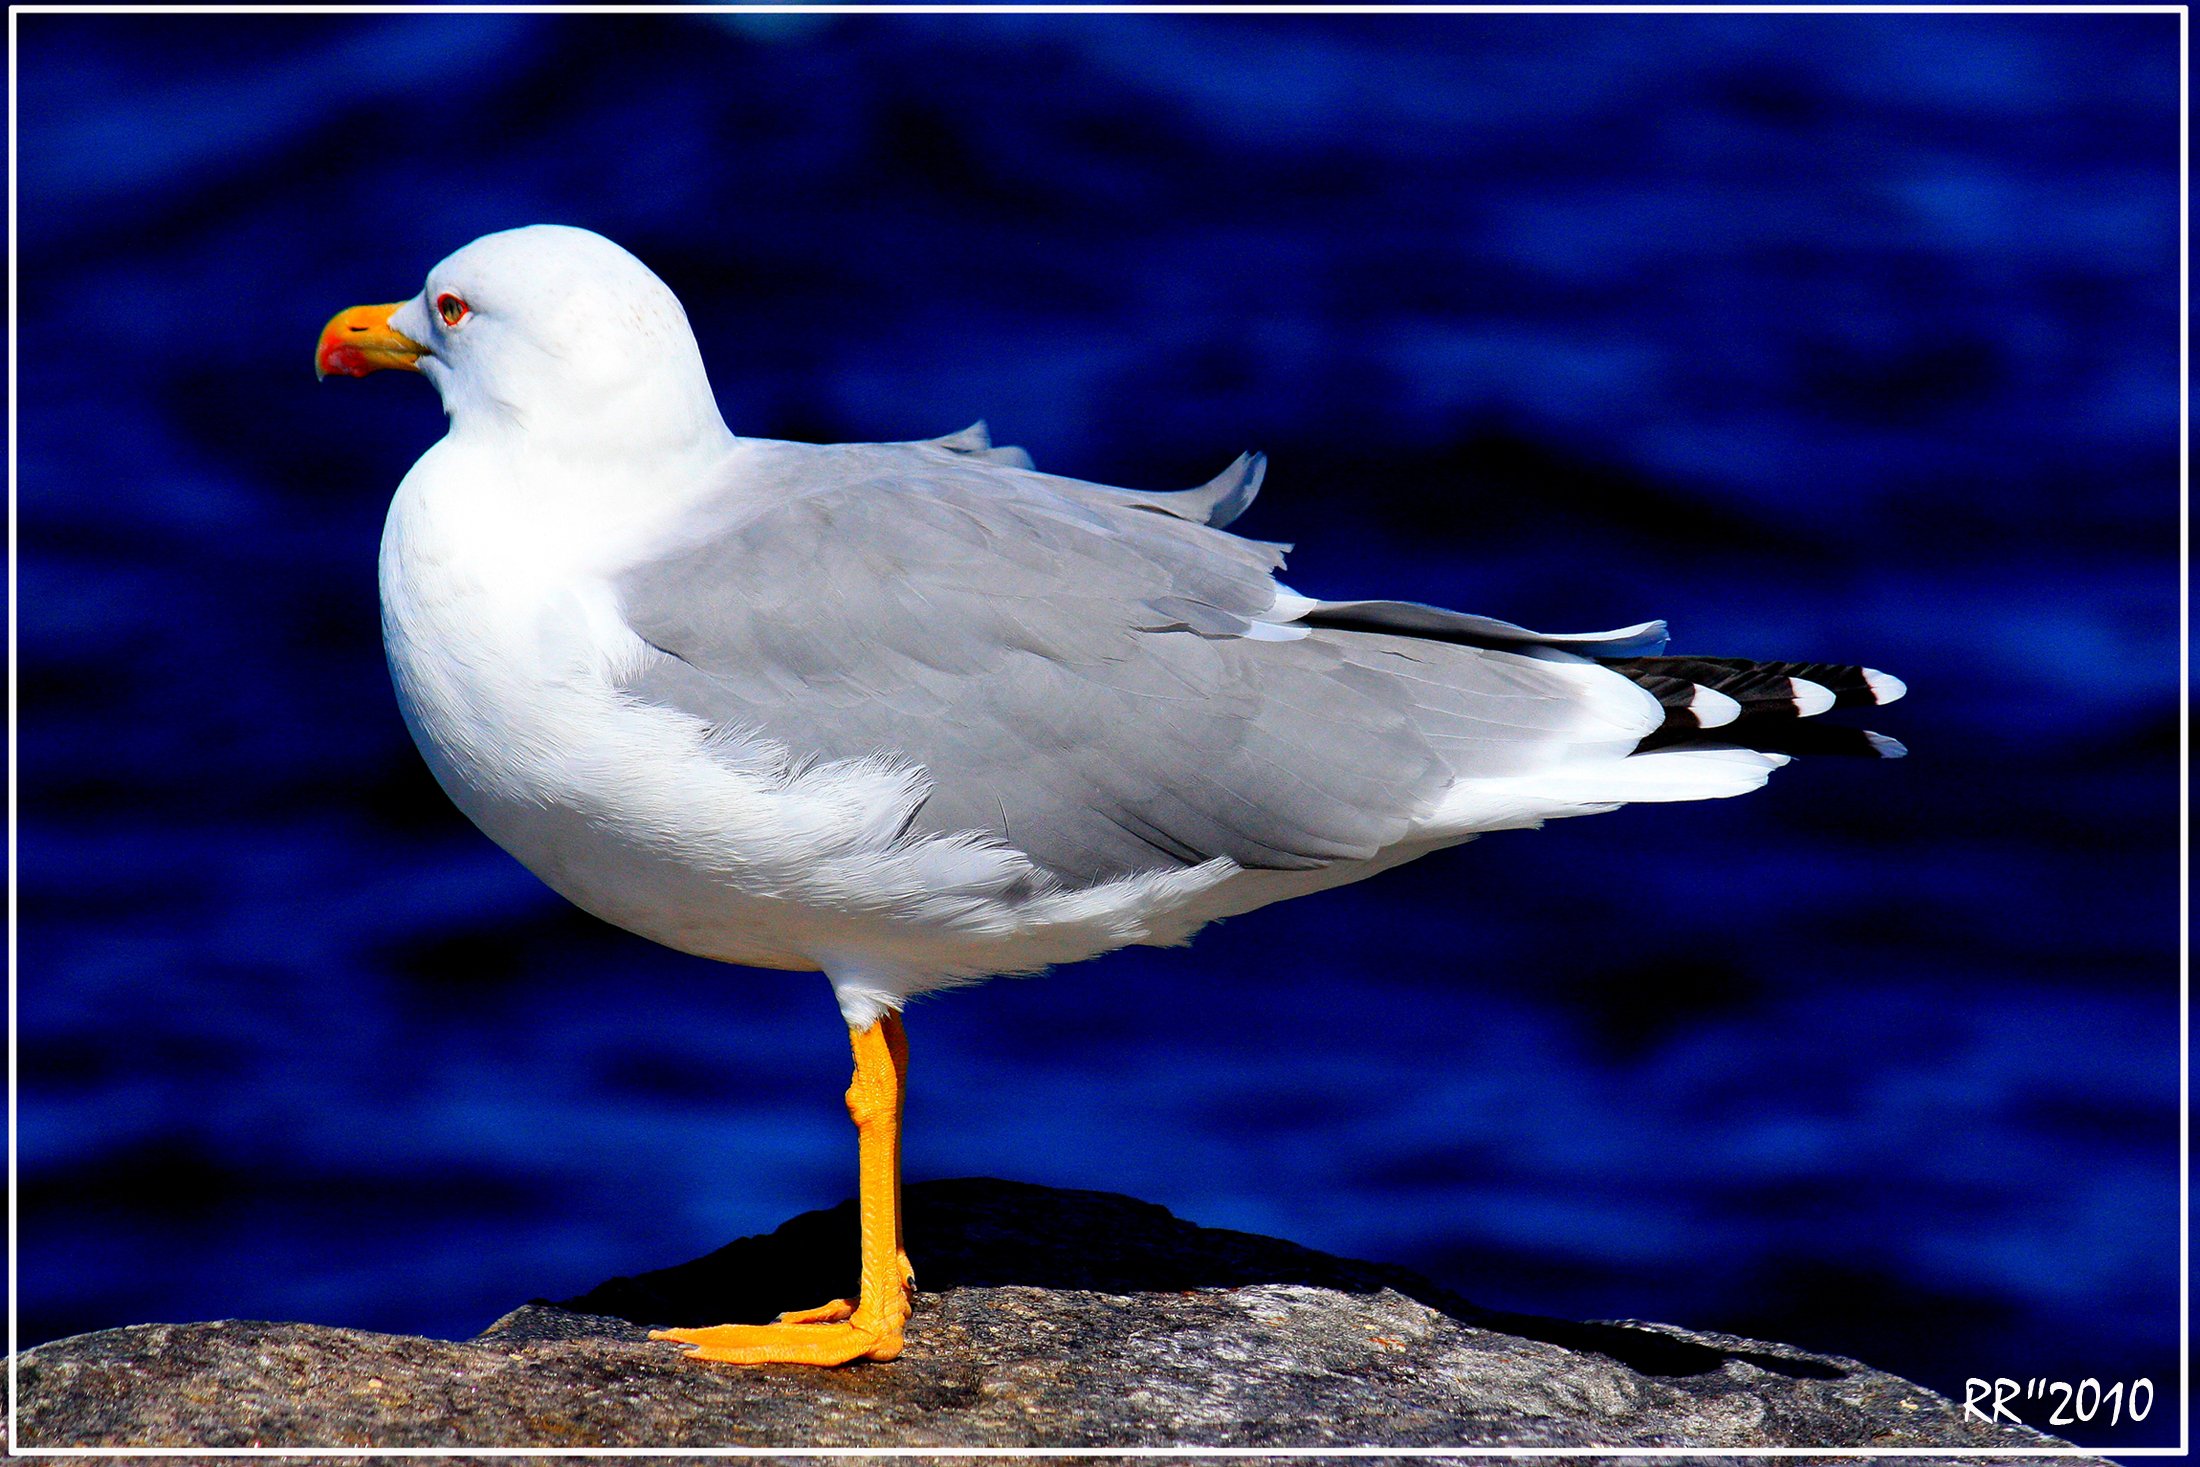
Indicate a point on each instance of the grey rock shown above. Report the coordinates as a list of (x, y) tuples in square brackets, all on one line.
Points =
[(1046, 1319)]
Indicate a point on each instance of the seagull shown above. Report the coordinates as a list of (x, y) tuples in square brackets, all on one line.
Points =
[(913, 715)]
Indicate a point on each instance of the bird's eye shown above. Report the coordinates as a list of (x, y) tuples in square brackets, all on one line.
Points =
[(451, 308)]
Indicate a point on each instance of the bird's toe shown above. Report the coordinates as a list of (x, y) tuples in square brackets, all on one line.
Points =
[(832, 1343), (829, 1313)]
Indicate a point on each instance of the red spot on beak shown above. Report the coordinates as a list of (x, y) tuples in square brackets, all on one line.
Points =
[(342, 359)]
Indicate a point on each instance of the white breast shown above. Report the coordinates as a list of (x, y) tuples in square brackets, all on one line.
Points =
[(504, 644)]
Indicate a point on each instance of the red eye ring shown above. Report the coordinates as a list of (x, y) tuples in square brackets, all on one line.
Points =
[(451, 308)]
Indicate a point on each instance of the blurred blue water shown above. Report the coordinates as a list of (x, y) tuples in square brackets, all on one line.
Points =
[(1824, 336)]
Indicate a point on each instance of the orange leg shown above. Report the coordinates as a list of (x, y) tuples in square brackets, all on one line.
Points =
[(867, 1327)]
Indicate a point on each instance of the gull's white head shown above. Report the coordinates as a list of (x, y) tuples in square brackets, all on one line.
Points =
[(553, 334)]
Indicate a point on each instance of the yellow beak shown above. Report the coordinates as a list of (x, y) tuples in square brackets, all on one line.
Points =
[(361, 340)]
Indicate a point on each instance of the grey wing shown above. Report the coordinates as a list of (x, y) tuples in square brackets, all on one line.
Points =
[(1095, 684)]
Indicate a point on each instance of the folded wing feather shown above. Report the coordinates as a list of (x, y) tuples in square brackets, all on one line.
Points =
[(1080, 676)]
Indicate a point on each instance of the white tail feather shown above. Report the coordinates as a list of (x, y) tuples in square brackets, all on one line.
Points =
[(1591, 785)]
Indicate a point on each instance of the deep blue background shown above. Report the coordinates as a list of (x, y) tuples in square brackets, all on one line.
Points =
[(1845, 337)]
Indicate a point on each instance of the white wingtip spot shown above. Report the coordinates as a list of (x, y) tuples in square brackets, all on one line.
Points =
[(1885, 747), (1810, 698), (1885, 686), (1713, 709)]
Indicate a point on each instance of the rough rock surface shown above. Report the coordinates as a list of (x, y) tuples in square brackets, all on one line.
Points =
[(1047, 1319)]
